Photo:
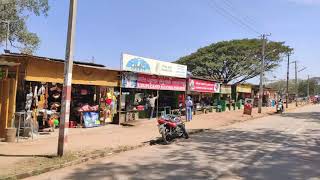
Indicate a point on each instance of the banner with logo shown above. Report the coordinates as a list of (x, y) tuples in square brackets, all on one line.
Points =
[(144, 81), (244, 88), (203, 86), (152, 66)]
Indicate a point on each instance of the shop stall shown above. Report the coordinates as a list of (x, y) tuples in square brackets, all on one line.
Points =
[(243, 91), (269, 98), (39, 92), (204, 94), (150, 87), (138, 89), (225, 101)]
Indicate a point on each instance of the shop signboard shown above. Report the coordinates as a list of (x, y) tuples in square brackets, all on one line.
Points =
[(145, 81), (203, 86), (248, 104), (244, 88), (225, 89), (152, 66)]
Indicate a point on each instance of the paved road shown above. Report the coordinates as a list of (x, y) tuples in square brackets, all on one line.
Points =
[(274, 147)]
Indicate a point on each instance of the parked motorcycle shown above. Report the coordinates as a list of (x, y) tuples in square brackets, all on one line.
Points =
[(171, 127)]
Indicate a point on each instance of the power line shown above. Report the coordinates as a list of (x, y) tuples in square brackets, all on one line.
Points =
[(225, 13), (245, 16)]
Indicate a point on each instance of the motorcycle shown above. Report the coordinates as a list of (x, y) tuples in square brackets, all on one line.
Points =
[(170, 127), (280, 108)]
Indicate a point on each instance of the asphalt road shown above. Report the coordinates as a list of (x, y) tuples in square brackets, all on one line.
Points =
[(275, 147)]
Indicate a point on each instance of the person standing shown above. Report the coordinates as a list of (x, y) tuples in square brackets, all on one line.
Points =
[(152, 103), (189, 105)]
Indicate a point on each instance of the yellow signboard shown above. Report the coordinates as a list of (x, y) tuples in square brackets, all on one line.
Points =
[(244, 88)]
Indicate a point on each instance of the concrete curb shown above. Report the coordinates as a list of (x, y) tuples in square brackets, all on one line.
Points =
[(106, 153)]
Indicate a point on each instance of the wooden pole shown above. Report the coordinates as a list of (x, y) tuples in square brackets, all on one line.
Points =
[(13, 97), (4, 107), (120, 97), (157, 104)]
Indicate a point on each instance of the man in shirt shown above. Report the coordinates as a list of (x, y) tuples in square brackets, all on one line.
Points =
[(152, 103)]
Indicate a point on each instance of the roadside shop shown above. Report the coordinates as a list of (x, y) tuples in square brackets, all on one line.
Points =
[(39, 92), (243, 91), (205, 94), (145, 80), (225, 100), (269, 98)]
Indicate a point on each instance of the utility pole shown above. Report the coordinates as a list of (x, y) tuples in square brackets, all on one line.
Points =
[(287, 88), (66, 94), (264, 39), (308, 88), (296, 82)]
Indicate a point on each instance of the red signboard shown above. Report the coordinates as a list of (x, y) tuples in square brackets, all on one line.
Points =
[(248, 103), (204, 86), (160, 83)]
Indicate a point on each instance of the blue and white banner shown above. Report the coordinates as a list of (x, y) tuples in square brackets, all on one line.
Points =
[(152, 66)]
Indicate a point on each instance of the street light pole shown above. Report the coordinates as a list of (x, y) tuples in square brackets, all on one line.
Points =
[(66, 94), (264, 39)]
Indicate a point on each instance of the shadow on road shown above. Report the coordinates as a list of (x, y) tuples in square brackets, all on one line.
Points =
[(314, 116), (261, 154)]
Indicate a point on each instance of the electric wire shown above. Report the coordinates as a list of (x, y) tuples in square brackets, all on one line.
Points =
[(229, 16)]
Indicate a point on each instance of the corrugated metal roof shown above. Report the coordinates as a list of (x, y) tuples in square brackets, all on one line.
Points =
[(78, 63), (51, 59)]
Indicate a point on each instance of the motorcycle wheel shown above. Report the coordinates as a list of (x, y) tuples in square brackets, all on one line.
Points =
[(185, 133), (165, 138)]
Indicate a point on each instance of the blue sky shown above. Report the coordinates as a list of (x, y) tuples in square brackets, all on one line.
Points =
[(169, 29)]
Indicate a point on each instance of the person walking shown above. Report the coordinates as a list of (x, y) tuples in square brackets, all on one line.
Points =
[(152, 102), (189, 105)]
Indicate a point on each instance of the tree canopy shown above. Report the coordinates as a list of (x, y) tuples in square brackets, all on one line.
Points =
[(17, 12), (235, 60)]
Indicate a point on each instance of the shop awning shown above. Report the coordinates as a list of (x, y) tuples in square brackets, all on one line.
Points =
[(7, 63), (52, 71)]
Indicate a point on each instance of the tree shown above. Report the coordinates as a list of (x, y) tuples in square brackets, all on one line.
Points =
[(314, 86), (17, 12), (235, 60)]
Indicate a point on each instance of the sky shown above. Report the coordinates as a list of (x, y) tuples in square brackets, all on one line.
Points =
[(169, 29)]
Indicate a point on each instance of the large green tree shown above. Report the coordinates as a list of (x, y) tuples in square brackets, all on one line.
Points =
[(234, 61), (17, 12)]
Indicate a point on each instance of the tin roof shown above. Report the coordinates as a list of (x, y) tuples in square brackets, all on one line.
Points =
[(79, 63)]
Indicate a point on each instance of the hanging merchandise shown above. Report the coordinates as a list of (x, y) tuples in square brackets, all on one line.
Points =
[(35, 96), (56, 95), (109, 101), (29, 100), (114, 99), (83, 92), (41, 93)]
